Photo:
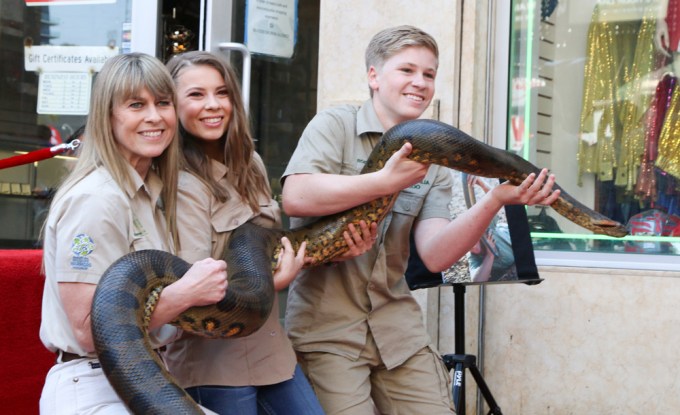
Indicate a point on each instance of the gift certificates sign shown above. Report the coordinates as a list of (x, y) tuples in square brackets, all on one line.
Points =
[(65, 2), (65, 75)]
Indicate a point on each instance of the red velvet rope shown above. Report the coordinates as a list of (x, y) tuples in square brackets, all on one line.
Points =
[(37, 155)]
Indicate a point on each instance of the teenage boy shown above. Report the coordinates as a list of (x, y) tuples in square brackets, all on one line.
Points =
[(358, 332)]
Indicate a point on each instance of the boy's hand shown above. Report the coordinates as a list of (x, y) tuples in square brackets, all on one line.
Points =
[(359, 242), (402, 172), (532, 191)]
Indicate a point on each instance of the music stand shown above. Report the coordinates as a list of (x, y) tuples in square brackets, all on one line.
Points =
[(460, 361), (417, 277)]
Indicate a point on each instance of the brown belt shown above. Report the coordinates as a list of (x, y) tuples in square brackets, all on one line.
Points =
[(67, 357)]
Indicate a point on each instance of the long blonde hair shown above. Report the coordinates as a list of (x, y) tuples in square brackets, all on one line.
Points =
[(239, 146), (122, 77)]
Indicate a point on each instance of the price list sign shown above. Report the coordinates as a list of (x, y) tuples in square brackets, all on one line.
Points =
[(65, 93)]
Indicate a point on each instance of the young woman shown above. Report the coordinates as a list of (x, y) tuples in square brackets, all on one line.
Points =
[(120, 197), (224, 186)]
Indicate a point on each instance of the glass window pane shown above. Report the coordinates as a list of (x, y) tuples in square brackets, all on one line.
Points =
[(593, 97), (25, 189)]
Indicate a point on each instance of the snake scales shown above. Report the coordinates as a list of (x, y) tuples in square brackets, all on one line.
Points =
[(129, 289)]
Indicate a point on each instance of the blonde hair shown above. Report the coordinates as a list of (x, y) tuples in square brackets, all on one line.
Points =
[(122, 77), (239, 146), (388, 42)]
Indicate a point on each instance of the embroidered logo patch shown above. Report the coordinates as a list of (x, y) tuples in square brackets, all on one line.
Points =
[(82, 246), (139, 230)]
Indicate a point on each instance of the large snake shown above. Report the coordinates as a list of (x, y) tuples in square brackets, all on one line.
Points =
[(129, 289)]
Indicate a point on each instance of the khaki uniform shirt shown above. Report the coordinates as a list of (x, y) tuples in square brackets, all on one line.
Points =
[(88, 228), (331, 308), (265, 357)]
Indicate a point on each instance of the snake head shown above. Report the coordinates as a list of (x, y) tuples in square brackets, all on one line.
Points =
[(611, 228)]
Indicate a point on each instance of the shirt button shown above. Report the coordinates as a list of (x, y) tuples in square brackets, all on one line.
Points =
[(75, 380), (371, 286), (273, 333)]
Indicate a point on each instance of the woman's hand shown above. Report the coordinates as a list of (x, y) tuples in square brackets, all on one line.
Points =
[(485, 246), (204, 283), (490, 246), (476, 180), (289, 264)]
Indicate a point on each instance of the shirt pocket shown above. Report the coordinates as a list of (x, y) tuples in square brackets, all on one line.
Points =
[(228, 216), (270, 214), (142, 243), (408, 203)]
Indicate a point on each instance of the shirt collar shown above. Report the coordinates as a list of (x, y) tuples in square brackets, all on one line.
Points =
[(152, 185), (367, 120), (217, 170)]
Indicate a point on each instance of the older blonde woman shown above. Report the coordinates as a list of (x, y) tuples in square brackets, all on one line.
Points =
[(120, 197)]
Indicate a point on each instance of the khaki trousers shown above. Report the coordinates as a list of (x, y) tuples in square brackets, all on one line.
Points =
[(421, 385)]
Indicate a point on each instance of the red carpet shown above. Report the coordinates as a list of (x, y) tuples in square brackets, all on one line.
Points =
[(24, 361)]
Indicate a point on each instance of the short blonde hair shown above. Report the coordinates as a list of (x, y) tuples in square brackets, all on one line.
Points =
[(390, 41)]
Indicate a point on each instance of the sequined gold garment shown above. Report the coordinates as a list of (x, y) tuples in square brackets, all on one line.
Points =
[(620, 58), (668, 158), (646, 186), (598, 97), (609, 52), (637, 98)]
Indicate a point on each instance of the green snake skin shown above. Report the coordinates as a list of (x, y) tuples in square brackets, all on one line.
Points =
[(128, 290)]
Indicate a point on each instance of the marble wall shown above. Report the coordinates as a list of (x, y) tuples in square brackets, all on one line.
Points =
[(584, 340), (346, 29), (591, 341)]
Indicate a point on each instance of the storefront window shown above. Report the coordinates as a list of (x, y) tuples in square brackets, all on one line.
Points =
[(56, 33), (594, 97), (62, 45)]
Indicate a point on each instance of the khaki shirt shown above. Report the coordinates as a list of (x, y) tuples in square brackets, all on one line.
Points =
[(266, 356), (88, 228), (331, 309)]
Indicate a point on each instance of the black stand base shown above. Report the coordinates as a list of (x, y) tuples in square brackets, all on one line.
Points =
[(460, 361)]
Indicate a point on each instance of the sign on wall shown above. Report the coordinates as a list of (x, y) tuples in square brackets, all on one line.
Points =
[(271, 27), (65, 75), (48, 58), (65, 2)]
